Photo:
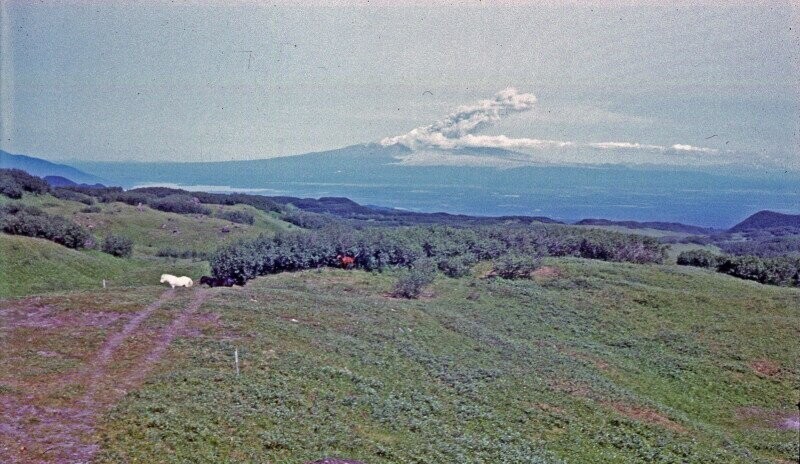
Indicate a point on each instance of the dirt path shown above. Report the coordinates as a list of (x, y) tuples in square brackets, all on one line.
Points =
[(33, 433)]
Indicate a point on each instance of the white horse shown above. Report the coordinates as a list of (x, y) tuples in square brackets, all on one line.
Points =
[(176, 281)]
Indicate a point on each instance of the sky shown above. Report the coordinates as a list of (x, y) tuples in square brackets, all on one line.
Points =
[(694, 83)]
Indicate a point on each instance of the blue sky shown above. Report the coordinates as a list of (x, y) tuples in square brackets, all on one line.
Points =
[(216, 81)]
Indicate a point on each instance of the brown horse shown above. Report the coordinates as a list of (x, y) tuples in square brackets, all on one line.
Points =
[(346, 262)]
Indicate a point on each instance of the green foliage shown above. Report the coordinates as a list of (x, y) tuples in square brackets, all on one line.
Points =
[(91, 209), (699, 258), (453, 249), (411, 282), (305, 219), (180, 204), (18, 219), (239, 217), (773, 271), (457, 266), (118, 245), (168, 252), (782, 270), (14, 182), (516, 266), (71, 195)]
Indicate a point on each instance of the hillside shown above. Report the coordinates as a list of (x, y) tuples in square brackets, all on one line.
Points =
[(36, 266), (666, 226), (39, 167), (588, 362), (153, 230), (767, 220)]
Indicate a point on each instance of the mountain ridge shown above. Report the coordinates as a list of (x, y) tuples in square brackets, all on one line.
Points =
[(42, 168)]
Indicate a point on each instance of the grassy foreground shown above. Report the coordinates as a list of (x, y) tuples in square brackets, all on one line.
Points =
[(35, 266), (590, 362)]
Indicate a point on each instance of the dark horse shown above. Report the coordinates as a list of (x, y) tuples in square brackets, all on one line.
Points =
[(217, 281)]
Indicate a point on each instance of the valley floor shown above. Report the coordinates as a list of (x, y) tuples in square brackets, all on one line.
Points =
[(589, 362)]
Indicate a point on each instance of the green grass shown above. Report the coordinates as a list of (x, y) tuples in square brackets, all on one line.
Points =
[(595, 363), (33, 266), (152, 230)]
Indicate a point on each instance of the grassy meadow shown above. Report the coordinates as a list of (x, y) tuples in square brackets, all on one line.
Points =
[(586, 361)]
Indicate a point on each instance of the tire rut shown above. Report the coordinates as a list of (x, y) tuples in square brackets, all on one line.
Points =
[(31, 433)]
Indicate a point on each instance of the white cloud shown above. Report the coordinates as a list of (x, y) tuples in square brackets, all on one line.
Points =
[(458, 131)]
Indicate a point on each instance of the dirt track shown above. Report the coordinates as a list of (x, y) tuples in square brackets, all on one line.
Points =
[(33, 432)]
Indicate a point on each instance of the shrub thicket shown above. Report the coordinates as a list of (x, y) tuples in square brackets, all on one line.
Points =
[(515, 266), (239, 217), (19, 219), (699, 258), (456, 266), (782, 270), (773, 271), (14, 182), (179, 204), (452, 249), (185, 254), (412, 281), (118, 245), (72, 195), (91, 209)]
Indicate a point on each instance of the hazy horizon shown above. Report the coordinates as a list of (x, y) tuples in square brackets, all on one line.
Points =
[(693, 85)]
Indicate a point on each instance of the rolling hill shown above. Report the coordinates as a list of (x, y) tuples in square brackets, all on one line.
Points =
[(41, 168), (767, 220)]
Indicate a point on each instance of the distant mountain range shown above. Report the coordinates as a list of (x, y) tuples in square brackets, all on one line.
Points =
[(42, 168), (767, 220), (398, 178), (60, 181)]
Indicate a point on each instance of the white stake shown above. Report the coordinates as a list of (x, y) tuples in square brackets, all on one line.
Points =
[(104, 283), (236, 357)]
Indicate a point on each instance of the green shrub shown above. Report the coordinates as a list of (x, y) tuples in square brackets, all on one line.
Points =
[(13, 182), (515, 266), (699, 258), (185, 254), (71, 195), (239, 217), (773, 271), (17, 219), (411, 283), (179, 204), (118, 245), (91, 209), (456, 266)]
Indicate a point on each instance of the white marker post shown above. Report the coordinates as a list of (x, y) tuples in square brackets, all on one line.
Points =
[(236, 358), (104, 283)]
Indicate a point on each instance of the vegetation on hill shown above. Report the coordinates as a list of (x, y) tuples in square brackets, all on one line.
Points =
[(380, 248), (667, 226), (592, 362), (15, 182), (19, 219), (783, 270), (767, 220), (563, 359), (31, 266)]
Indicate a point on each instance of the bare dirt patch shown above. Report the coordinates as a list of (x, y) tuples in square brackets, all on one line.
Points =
[(766, 368), (546, 272), (648, 416), (760, 418)]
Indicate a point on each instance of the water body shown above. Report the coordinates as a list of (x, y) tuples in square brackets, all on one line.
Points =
[(564, 193)]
